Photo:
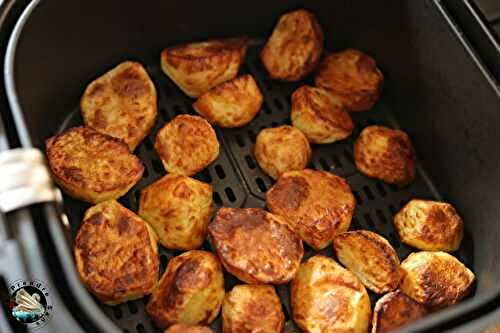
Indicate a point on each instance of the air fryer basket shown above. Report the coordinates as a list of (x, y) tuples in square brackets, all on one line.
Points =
[(445, 103)]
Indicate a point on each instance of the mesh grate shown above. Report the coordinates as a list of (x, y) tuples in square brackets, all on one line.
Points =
[(238, 181)]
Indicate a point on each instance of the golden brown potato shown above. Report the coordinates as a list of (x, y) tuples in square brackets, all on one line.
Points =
[(91, 166), (429, 225), (231, 104), (182, 328), (394, 310), (255, 246), (116, 254), (197, 67), (281, 149), (121, 103), (320, 115), (190, 291), (435, 279), (294, 48), (186, 145), (179, 209), (326, 298), (385, 154), (252, 308), (353, 76), (371, 258), (316, 204)]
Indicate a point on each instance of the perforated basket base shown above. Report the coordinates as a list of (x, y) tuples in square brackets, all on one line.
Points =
[(238, 181)]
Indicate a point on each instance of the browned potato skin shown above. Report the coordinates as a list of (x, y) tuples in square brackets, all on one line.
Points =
[(353, 76), (186, 145), (181, 328), (252, 308), (435, 279), (294, 48), (326, 298), (429, 225), (281, 149), (121, 103), (316, 204), (233, 103), (92, 166), (191, 290), (371, 258), (320, 115), (109, 229), (385, 154), (255, 246), (179, 209), (394, 310), (197, 67)]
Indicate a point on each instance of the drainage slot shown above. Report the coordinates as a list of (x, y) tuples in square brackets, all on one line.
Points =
[(117, 312), (368, 192), (220, 172), (132, 308), (230, 194), (381, 217), (260, 183), (358, 198), (217, 199), (250, 162), (369, 220), (381, 189), (239, 141)]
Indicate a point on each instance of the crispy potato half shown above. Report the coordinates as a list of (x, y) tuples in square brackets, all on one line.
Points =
[(281, 149), (353, 76), (252, 308), (326, 298), (294, 48), (186, 145), (320, 115), (371, 258), (197, 67), (435, 279), (116, 254), (316, 204), (92, 166), (385, 154), (233, 103), (429, 225), (121, 103), (255, 246), (179, 209), (191, 290), (394, 310), (182, 328)]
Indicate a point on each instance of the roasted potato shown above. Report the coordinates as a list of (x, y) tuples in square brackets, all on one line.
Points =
[(316, 204), (191, 290), (233, 103), (252, 308), (327, 298), (255, 246), (186, 145), (385, 154), (320, 115), (179, 209), (353, 76), (281, 149), (435, 279), (92, 166), (197, 67), (294, 48), (371, 258), (181, 328), (121, 103), (116, 254), (394, 310), (429, 225)]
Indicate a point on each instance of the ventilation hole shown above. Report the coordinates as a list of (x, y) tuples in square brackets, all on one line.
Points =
[(369, 220), (157, 166), (348, 156), (140, 328), (220, 172), (177, 109), (205, 176), (324, 164), (355, 224), (217, 198), (381, 217), (278, 104), (117, 312), (337, 162), (394, 240), (230, 194), (148, 142), (358, 198), (260, 183), (368, 192), (266, 110), (146, 172), (132, 307), (250, 162), (392, 209), (251, 136), (163, 261), (381, 189), (393, 188), (239, 141)]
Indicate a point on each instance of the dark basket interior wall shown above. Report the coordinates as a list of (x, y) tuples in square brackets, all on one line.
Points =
[(438, 94)]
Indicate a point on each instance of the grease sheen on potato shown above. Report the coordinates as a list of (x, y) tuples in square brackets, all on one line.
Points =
[(317, 204), (326, 298), (255, 246), (182, 328), (108, 228), (190, 291), (179, 209)]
